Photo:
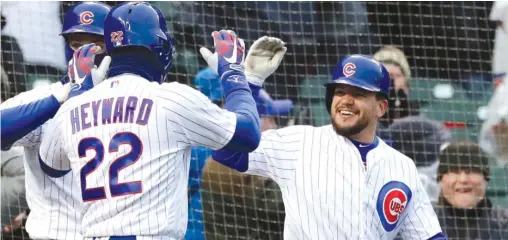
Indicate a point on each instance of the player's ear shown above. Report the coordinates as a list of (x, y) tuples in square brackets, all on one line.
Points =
[(382, 107)]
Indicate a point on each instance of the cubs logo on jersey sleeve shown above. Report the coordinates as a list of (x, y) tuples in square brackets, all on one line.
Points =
[(393, 198)]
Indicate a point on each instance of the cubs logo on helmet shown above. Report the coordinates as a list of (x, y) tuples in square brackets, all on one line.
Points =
[(349, 69), (86, 17), (393, 198)]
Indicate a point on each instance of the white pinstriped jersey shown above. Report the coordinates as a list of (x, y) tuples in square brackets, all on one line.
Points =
[(129, 143), (54, 202), (328, 193)]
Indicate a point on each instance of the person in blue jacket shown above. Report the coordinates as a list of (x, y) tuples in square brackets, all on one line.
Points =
[(208, 82)]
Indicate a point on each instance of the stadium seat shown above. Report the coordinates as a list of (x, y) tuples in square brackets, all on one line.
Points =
[(458, 109)]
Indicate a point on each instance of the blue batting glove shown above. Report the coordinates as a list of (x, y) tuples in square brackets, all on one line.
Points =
[(82, 72), (229, 53)]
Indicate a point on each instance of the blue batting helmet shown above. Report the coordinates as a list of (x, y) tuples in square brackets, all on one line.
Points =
[(268, 107), (359, 71), (84, 17), (208, 83), (142, 25)]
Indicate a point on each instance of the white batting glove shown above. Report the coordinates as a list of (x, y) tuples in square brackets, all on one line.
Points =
[(61, 93), (263, 59), (82, 73)]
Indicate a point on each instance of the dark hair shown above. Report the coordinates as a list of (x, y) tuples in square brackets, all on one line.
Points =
[(463, 155), (381, 96)]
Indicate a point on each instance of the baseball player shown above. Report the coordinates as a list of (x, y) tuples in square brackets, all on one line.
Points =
[(128, 140), (341, 181), (54, 203)]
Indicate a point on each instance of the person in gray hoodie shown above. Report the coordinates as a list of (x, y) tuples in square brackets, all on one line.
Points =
[(14, 204), (421, 139)]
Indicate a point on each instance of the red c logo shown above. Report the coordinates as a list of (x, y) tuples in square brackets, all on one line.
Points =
[(86, 17), (349, 69)]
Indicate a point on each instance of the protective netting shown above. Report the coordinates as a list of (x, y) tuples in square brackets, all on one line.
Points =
[(448, 47)]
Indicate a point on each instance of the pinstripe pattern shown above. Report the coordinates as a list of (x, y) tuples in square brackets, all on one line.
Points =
[(54, 202), (418, 221), (327, 191), (180, 118)]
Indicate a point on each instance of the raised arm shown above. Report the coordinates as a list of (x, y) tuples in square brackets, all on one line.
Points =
[(23, 115), (227, 61), (263, 59)]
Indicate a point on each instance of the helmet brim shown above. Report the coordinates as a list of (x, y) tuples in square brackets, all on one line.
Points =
[(84, 29), (355, 83)]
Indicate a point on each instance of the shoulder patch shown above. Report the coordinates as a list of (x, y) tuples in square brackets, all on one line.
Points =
[(393, 198)]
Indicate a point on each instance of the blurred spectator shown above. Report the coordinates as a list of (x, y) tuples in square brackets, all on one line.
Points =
[(396, 63), (243, 206), (399, 105), (13, 201), (421, 139), (13, 66), (464, 210), (37, 32), (499, 15), (494, 133), (195, 224), (13, 194), (207, 82), (4, 83)]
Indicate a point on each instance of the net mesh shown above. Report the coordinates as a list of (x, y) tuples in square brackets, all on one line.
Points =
[(448, 46)]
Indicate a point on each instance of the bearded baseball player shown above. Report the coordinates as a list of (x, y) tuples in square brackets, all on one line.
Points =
[(55, 203), (341, 181)]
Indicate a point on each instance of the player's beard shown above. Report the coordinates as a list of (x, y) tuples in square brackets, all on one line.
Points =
[(349, 131)]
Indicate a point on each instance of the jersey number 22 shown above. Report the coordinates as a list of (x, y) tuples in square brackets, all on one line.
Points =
[(116, 188)]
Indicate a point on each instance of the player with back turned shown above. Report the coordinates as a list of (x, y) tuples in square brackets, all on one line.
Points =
[(341, 181), (54, 203), (129, 139)]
